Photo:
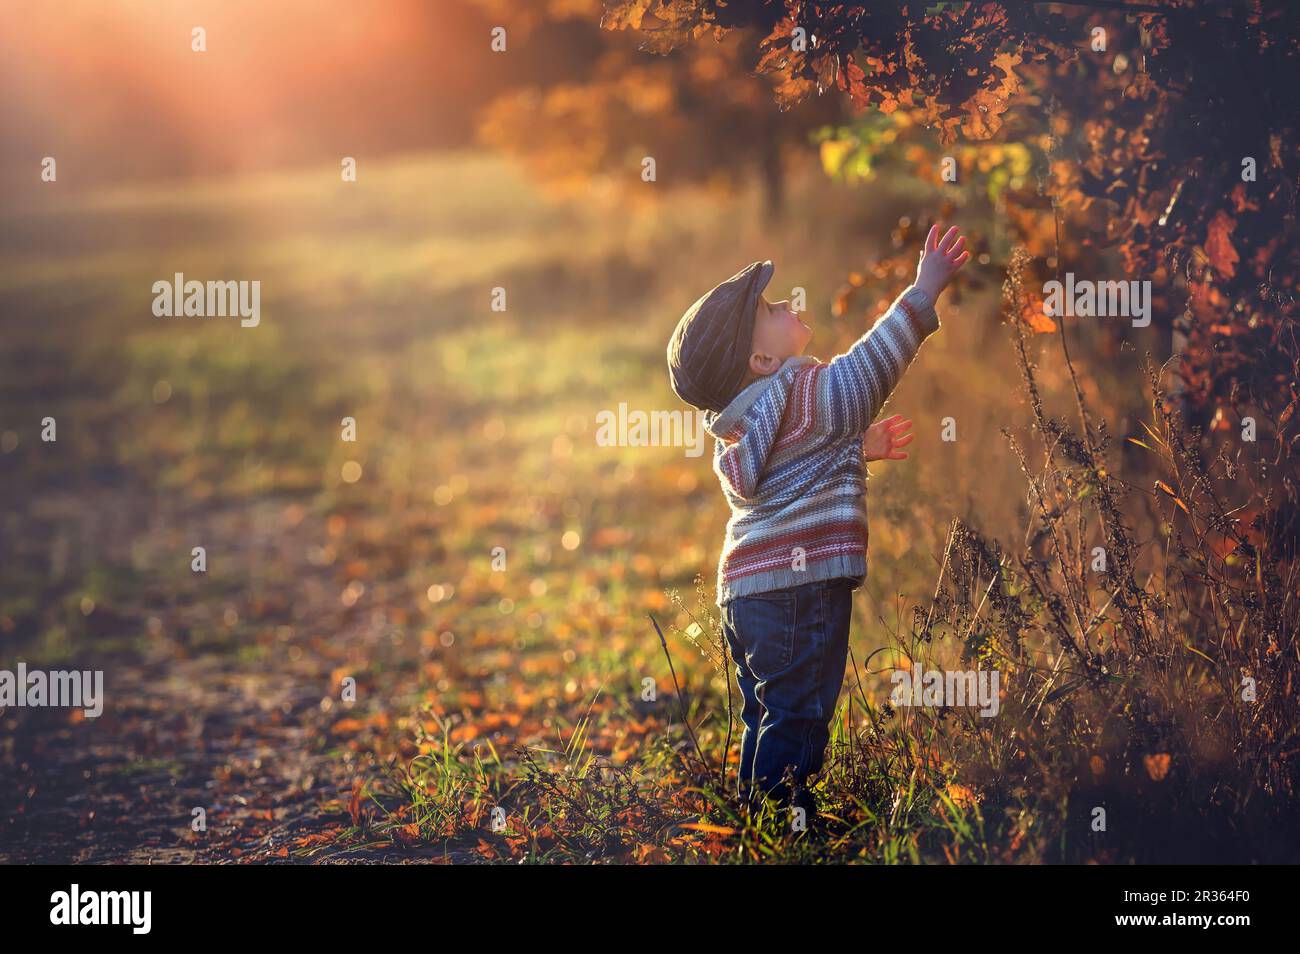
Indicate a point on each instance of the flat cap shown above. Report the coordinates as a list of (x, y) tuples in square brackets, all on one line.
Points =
[(708, 353)]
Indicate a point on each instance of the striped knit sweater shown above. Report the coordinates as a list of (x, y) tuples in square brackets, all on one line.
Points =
[(788, 452)]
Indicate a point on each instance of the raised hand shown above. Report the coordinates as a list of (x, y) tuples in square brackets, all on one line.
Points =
[(940, 260), (885, 439)]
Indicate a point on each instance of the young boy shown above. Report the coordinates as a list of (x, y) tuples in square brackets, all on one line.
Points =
[(791, 433)]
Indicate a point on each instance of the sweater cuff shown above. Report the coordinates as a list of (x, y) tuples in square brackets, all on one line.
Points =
[(920, 311)]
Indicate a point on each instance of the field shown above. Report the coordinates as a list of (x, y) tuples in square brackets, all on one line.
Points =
[(476, 688)]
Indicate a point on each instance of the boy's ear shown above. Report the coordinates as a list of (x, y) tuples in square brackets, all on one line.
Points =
[(763, 364)]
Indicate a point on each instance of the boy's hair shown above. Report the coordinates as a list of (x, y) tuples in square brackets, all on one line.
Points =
[(708, 353)]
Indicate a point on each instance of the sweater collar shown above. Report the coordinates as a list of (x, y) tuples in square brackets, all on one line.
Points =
[(723, 424)]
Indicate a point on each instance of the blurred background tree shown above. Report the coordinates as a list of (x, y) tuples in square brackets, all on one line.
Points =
[(589, 114)]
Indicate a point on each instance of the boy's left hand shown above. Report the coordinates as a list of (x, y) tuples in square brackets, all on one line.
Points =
[(885, 439)]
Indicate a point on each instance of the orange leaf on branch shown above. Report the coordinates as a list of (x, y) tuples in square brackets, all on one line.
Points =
[(1218, 244)]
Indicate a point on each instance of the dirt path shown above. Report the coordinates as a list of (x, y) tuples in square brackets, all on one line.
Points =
[(241, 729)]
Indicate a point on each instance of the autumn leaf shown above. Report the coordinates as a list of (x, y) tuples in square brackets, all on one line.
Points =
[(348, 726), (1218, 244), (354, 804), (1241, 200), (316, 838), (984, 109), (1034, 314), (961, 795), (624, 14), (407, 834), (853, 79), (650, 854)]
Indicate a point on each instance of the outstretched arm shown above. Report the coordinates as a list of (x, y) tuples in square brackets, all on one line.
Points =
[(852, 387)]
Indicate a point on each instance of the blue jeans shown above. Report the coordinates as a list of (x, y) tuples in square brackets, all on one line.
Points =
[(789, 647)]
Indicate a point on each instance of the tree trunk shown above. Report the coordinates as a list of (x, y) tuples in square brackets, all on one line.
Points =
[(772, 173)]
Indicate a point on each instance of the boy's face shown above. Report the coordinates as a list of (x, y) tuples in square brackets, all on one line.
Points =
[(778, 335)]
